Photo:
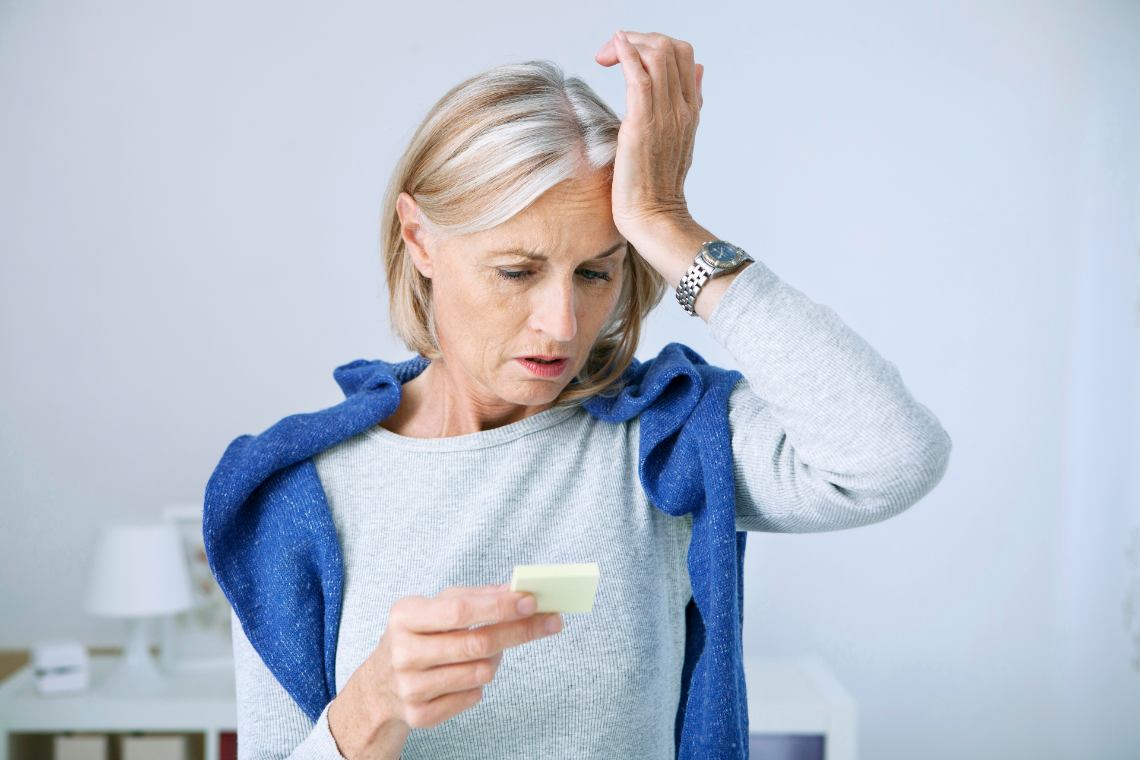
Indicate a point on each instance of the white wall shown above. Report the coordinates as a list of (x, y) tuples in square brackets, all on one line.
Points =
[(188, 199), (1097, 681)]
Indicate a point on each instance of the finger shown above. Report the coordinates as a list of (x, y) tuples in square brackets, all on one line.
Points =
[(686, 71), (426, 685), (673, 77), (638, 84), (683, 110), (607, 54), (700, 78), (456, 611), (481, 643), (491, 588), (655, 58)]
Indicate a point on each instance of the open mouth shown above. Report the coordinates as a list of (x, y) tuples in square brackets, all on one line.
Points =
[(544, 367)]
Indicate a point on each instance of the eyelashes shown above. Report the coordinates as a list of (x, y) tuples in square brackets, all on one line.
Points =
[(595, 277)]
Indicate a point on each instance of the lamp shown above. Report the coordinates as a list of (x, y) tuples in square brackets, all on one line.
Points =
[(139, 572)]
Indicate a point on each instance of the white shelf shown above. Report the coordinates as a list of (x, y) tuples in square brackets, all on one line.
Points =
[(198, 701), (800, 695), (796, 695)]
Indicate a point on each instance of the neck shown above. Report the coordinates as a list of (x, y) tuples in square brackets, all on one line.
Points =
[(436, 404)]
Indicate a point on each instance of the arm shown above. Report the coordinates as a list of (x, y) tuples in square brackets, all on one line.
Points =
[(825, 435), (269, 723), (272, 725)]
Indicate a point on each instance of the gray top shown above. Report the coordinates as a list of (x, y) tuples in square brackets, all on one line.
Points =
[(825, 437)]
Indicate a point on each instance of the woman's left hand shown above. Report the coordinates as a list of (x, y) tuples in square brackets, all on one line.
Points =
[(655, 141)]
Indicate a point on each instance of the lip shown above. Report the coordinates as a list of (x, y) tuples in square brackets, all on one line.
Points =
[(545, 370)]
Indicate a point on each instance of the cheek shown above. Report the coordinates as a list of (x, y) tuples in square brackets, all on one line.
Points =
[(609, 302), (468, 297)]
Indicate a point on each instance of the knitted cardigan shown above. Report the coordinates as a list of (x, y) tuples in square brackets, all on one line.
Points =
[(272, 545)]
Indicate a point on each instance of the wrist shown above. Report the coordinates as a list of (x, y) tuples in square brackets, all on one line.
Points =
[(361, 729), (670, 246)]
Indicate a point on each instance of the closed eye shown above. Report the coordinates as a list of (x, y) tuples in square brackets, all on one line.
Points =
[(590, 275)]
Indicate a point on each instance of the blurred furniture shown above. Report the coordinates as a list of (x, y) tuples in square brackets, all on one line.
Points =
[(139, 572), (198, 703), (797, 710)]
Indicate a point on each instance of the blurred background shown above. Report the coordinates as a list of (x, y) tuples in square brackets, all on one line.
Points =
[(189, 199)]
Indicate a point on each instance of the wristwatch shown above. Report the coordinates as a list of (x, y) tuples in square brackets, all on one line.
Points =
[(716, 257)]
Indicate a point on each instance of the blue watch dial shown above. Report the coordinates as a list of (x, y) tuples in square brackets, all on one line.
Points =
[(722, 253)]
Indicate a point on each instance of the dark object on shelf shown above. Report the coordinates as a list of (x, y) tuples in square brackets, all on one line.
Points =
[(227, 745), (785, 747)]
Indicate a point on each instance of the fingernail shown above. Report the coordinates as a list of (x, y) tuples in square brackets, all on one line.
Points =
[(554, 624), (527, 605)]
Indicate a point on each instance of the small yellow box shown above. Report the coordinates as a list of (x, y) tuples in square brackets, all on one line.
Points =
[(559, 588)]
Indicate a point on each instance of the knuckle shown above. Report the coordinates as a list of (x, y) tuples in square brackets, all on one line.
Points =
[(400, 659), (417, 716), (455, 612), (684, 47), (484, 672), (403, 608), (476, 645), (405, 689)]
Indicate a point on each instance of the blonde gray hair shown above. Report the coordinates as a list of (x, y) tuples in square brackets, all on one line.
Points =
[(485, 151)]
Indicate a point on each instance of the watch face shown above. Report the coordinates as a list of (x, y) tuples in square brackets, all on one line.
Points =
[(721, 253)]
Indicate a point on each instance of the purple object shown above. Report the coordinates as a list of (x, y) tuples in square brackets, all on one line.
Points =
[(786, 747)]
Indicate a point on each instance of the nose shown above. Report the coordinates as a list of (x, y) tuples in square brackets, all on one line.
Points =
[(553, 311)]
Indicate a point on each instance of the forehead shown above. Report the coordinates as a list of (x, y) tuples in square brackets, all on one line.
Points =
[(571, 214)]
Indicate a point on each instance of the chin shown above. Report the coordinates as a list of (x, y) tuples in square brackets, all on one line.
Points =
[(535, 392)]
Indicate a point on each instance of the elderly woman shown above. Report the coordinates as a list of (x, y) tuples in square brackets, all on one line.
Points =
[(528, 232)]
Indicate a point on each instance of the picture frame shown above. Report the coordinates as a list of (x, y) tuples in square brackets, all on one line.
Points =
[(199, 638)]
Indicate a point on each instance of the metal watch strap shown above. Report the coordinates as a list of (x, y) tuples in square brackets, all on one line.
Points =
[(693, 280)]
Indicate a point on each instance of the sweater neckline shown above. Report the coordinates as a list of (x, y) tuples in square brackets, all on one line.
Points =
[(477, 440)]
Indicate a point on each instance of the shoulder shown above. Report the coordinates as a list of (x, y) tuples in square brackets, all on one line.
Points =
[(674, 382), (371, 393)]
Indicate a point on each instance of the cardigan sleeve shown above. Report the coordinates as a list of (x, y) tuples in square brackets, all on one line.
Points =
[(270, 724), (825, 435)]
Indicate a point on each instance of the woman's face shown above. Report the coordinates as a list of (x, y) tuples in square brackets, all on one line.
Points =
[(494, 305)]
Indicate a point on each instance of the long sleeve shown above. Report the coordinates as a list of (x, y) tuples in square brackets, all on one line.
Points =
[(825, 436), (270, 725)]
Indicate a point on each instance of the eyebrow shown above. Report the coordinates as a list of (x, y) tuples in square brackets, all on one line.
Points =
[(542, 257)]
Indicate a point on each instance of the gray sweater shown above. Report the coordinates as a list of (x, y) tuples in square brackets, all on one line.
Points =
[(825, 436)]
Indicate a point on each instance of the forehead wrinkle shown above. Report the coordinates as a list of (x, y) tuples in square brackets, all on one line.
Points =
[(536, 256)]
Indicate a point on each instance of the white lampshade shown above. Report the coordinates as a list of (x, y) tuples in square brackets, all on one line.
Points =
[(139, 571)]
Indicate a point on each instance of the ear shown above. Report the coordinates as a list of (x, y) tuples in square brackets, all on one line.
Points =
[(415, 235)]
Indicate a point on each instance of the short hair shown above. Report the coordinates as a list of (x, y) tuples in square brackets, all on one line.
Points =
[(485, 152)]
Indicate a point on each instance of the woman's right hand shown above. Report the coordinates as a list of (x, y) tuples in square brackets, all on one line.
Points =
[(438, 653)]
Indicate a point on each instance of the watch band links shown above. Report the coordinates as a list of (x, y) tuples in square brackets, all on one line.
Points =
[(692, 281)]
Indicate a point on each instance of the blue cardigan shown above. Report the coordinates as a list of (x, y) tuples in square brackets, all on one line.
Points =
[(272, 545)]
